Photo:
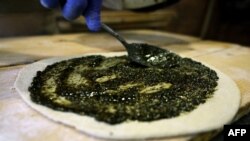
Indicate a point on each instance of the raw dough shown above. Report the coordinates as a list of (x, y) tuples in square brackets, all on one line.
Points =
[(216, 112)]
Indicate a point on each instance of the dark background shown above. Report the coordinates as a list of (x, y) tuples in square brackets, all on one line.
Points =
[(222, 20)]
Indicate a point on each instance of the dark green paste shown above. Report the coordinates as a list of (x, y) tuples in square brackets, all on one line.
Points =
[(114, 90)]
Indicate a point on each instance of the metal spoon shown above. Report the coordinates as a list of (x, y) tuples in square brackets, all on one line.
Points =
[(141, 53)]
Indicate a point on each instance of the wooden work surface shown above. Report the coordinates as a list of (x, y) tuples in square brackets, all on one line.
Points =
[(18, 122)]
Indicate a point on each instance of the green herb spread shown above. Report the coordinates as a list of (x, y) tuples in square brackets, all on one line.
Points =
[(115, 90)]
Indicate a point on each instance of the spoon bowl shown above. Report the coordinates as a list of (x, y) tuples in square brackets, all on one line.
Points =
[(141, 53)]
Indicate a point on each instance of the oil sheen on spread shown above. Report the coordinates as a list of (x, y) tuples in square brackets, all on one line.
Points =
[(115, 90)]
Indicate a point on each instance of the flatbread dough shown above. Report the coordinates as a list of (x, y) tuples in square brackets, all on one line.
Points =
[(213, 114)]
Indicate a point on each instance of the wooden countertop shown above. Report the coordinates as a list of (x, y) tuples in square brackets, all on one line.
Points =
[(19, 122)]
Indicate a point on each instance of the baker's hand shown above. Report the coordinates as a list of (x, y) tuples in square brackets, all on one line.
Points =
[(71, 9)]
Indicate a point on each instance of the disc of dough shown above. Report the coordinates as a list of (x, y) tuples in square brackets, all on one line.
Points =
[(217, 111)]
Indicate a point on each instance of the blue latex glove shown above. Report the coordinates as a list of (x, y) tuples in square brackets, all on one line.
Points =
[(71, 9)]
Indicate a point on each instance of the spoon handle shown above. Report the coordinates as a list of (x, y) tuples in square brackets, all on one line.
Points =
[(115, 34)]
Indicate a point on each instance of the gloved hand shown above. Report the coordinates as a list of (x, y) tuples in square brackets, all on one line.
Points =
[(71, 9)]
